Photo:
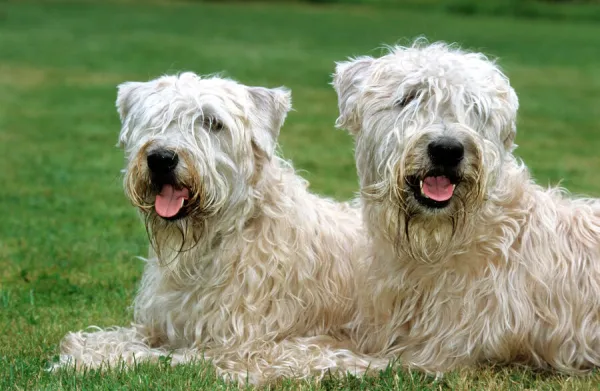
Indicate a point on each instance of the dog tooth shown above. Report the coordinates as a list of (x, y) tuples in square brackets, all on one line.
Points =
[(422, 192), (182, 202)]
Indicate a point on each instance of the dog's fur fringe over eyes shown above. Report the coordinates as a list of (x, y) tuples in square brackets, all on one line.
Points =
[(258, 277), (508, 271)]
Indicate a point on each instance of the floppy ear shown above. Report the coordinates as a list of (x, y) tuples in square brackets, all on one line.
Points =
[(348, 81), (511, 129), (126, 98), (272, 105)]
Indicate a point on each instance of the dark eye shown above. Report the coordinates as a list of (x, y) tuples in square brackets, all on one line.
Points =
[(406, 99), (213, 124)]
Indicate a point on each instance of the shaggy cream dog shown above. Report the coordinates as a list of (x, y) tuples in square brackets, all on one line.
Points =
[(471, 260), (246, 267)]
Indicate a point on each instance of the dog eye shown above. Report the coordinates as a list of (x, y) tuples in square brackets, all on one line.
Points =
[(213, 125), (406, 99)]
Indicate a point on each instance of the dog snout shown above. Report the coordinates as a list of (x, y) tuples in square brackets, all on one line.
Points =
[(162, 161), (446, 151)]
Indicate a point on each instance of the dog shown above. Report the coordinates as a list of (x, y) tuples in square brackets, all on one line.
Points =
[(247, 268), (471, 261)]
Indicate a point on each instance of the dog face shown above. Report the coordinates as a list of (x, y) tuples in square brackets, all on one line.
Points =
[(194, 146), (432, 125), (431, 122)]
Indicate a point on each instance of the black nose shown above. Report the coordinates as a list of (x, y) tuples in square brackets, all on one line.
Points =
[(446, 151), (162, 161)]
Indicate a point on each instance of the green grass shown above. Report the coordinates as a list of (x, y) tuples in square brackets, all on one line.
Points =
[(68, 237), (586, 11)]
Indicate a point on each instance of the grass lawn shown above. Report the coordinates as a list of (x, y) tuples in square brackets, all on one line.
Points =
[(69, 238)]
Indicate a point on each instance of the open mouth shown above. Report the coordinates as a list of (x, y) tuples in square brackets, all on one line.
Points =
[(433, 190), (171, 201)]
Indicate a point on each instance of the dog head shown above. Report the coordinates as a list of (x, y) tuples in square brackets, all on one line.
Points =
[(195, 146), (432, 125)]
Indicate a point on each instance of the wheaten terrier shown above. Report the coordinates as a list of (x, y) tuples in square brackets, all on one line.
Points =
[(472, 261), (246, 267)]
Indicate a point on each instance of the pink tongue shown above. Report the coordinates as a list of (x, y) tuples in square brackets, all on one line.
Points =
[(438, 188), (170, 200)]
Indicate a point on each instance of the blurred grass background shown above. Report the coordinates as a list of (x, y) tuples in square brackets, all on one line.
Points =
[(573, 10), (69, 238)]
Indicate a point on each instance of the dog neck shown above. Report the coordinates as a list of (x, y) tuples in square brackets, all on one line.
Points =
[(434, 241)]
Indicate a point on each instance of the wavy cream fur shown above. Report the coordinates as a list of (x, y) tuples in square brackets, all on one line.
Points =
[(259, 277), (509, 271)]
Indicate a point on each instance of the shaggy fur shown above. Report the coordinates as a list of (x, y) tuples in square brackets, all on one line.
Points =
[(255, 273), (505, 271)]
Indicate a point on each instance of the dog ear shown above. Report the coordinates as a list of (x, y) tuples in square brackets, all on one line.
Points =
[(273, 104), (510, 131), (126, 97), (348, 81)]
